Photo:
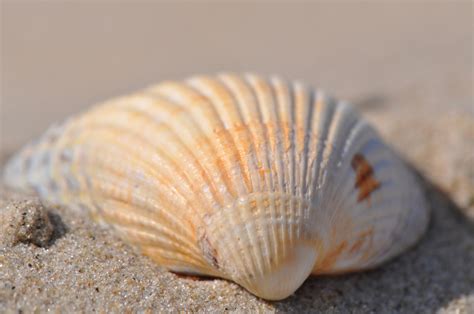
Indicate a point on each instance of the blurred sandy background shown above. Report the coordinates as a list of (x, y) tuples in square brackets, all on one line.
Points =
[(407, 66), (59, 57)]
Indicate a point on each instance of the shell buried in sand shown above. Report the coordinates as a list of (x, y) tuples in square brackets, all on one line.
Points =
[(258, 181)]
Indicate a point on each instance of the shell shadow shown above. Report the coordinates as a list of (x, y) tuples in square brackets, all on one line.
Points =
[(371, 102), (59, 228), (431, 276)]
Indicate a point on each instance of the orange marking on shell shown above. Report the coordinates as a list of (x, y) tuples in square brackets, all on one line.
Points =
[(331, 257), (361, 240), (223, 136), (365, 179)]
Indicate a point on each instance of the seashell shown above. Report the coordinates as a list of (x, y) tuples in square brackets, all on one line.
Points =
[(258, 181)]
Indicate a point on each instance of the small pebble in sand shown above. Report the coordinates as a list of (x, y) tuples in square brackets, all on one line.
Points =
[(25, 222)]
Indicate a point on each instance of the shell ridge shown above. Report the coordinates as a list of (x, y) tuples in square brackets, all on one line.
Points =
[(247, 265), (251, 227), (250, 109), (319, 136), (308, 123), (38, 174), (356, 226), (183, 95), (228, 82), (249, 80), (327, 149), (280, 169), (310, 116), (265, 93), (283, 154), (343, 122), (242, 214), (325, 115), (323, 157), (179, 135), (331, 115), (125, 215), (208, 90), (61, 169), (366, 137), (301, 116), (233, 92), (105, 174), (176, 261), (42, 173), (221, 144), (108, 188), (181, 145), (356, 129), (361, 132), (119, 143), (53, 187), (293, 154)]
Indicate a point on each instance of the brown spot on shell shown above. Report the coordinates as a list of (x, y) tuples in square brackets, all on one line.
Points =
[(365, 179), (208, 251)]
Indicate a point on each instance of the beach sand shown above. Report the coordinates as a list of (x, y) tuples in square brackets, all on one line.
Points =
[(408, 69)]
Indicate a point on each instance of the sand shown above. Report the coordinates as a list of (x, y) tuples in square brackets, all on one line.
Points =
[(412, 80)]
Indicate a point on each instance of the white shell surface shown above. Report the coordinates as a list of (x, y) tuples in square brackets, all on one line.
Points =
[(259, 181)]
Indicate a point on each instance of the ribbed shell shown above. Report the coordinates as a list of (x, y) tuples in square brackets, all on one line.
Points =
[(256, 180)]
